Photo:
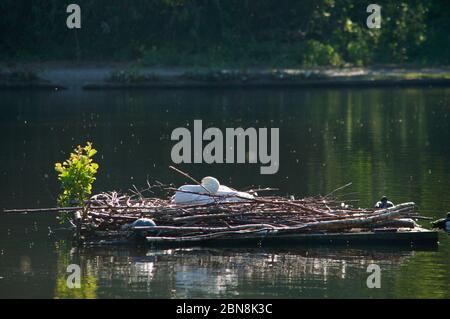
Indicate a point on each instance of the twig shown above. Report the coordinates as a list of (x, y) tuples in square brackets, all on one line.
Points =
[(338, 189)]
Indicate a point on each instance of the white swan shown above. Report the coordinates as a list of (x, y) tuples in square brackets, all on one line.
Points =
[(194, 194)]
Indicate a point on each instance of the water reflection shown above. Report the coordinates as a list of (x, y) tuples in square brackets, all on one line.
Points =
[(231, 272)]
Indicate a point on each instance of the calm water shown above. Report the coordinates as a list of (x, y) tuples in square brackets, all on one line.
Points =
[(394, 142)]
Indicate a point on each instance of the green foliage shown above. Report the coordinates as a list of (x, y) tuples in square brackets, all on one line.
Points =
[(227, 32), (76, 175), (358, 53), (317, 53)]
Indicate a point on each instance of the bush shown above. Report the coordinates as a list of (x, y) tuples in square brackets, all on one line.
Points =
[(315, 53), (358, 53), (76, 175)]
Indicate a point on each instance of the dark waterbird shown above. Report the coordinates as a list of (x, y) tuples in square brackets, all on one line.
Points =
[(443, 223), (384, 203)]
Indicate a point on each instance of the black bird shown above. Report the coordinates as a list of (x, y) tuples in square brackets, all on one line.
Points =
[(384, 203), (443, 223)]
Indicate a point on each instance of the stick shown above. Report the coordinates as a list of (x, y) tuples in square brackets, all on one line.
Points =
[(339, 188), (191, 178), (41, 210), (211, 229), (186, 175)]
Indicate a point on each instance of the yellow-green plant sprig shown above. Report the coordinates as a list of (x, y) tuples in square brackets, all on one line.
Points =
[(77, 174)]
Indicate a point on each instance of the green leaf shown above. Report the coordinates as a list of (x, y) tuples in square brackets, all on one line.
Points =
[(76, 175)]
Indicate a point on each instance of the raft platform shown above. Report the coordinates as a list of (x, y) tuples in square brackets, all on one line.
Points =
[(415, 237)]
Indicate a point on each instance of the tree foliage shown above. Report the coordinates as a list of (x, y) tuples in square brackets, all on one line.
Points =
[(76, 175), (224, 31)]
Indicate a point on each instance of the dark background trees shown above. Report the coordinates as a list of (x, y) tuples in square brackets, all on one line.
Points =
[(228, 32)]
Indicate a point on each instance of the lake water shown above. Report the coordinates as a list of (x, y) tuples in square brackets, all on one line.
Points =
[(385, 141)]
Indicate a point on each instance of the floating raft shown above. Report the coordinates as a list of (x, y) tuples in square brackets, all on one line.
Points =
[(414, 237), (417, 236)]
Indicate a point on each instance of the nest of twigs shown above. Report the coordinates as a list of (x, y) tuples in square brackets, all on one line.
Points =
[(111, 214)]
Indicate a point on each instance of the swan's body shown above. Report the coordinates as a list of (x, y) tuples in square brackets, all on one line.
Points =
[(195, 194)]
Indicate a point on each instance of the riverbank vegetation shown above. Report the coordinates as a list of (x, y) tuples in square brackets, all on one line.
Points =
[(234, 33)]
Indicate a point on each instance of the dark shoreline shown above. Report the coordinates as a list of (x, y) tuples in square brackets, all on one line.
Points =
[(344, 83), (116, 77)]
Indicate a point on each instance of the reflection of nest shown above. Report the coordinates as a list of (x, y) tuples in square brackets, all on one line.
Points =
[(214, 270), (109, 214)]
